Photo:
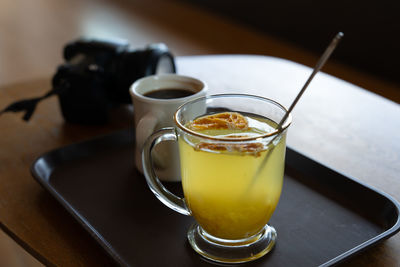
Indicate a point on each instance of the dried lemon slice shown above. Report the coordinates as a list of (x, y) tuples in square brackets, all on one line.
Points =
[(224, 120), (252, 148), (231, 121)]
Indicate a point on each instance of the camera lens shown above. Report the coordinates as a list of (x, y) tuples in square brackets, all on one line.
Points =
[(165, 65), (160, 60)]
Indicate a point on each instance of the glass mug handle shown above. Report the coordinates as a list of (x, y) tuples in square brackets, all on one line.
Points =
[(170, 200)]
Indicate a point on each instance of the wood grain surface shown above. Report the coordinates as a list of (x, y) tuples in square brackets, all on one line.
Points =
[(358, 140), (338, 123)]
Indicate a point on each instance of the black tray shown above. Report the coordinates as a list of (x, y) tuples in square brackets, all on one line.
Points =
[(322, 218)]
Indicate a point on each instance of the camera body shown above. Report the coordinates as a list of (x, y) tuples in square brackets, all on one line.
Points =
[(97, 76)]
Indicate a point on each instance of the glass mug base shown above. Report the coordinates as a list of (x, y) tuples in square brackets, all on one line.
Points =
[(231, 251)]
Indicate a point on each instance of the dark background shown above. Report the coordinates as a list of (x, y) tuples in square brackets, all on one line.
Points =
[(371, 28)]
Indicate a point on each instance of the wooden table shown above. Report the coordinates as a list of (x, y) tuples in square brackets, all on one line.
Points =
[(337, 123)]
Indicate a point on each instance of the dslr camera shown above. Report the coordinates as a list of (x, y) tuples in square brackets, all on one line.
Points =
[(97, 75)]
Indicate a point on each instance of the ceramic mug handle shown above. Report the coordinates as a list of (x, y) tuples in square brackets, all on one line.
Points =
[(170, 200)]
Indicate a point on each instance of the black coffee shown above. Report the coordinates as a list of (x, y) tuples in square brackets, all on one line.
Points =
[(168, 93)]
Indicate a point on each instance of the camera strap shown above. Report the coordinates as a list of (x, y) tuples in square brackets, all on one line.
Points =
[(28, 105)]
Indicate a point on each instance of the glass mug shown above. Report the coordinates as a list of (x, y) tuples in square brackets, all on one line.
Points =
[(231, 185)]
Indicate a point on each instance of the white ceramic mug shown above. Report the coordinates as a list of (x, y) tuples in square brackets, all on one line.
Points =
[(152, 114)]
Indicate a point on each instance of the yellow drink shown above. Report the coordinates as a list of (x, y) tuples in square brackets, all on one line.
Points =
[(224, 189)]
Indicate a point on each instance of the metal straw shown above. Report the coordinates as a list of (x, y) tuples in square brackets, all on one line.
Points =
[(321, 62), (318, 66)]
